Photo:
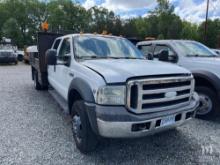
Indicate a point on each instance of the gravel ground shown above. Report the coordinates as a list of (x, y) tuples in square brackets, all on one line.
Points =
[(34, 130)]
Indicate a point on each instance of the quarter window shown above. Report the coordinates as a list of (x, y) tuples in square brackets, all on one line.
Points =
[(146, 49)]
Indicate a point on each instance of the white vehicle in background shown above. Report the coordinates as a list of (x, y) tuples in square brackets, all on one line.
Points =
[(217, 51), (20, 55), (7, 52), (199, 59), (28, 51)]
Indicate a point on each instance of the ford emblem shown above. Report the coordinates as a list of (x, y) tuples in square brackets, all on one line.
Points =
[(170, 94)]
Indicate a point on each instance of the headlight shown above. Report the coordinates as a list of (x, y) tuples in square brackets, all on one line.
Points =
[(111, 95)]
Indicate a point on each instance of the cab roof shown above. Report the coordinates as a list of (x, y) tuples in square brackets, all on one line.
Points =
[(163, 41), (89, 34), (32, 48)]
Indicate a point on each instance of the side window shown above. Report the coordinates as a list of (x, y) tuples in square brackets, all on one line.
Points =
[(159, 48), (146, 49), (57, 42), (65, 50)]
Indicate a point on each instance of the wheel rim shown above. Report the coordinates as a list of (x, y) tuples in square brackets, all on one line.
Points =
[(205, 105), (77, 128)]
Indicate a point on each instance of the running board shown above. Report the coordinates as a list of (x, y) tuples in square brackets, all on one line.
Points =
[(60, 100)]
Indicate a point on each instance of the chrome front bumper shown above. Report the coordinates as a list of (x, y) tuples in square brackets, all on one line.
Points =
[(124, 129)]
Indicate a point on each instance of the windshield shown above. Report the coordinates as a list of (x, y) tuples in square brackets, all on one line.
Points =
[(105, 47), (192, 49), (6, 47)]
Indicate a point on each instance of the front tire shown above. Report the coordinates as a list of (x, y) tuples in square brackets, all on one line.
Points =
[(20, 57), (208, 102), (85, 139)]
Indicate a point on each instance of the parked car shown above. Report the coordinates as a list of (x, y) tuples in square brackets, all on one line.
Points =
[(109, 89), (203, 62), (20, 55), (7, 53), (30, 49), (217, 51)]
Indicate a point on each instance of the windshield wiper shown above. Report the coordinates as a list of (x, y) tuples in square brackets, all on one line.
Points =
[(133, 58), (87, 57), (199, 55), (105, 57), (192, 55)]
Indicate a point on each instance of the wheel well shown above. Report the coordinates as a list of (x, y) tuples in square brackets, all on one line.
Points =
[(73, 96), (199, 81)]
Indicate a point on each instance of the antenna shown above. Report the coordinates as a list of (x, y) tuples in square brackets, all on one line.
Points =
[(206, 22)]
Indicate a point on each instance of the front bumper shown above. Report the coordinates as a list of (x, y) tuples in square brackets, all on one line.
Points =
[(118, 122), (8, 59)]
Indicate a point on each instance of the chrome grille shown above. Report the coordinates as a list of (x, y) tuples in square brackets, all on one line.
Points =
[(5, 54), (159, 94)]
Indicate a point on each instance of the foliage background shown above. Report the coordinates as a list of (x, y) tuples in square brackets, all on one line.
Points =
[(20, 20)]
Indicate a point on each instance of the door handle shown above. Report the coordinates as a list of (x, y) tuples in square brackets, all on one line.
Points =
[(71, 74)]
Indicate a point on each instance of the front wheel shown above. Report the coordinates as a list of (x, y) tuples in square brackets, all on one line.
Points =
[(85, 139), (208, 102)]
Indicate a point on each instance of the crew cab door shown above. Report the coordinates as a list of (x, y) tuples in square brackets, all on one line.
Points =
[(60, 76)]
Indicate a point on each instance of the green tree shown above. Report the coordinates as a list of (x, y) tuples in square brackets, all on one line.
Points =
[(10, 30), (64, 15), (213, 33), (189, 31), (163, 7), (24, 17), (102, 19)]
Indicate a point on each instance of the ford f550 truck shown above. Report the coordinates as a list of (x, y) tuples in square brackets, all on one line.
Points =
[(110, 89)]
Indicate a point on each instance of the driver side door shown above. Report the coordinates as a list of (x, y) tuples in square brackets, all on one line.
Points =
[(62, 76)]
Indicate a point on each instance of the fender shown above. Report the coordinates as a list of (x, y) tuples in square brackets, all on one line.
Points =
[(85, 91), (211, 77), (83, 88)]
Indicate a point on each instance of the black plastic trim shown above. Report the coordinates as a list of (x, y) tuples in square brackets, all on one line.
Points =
[(83, 88), (211, 77)]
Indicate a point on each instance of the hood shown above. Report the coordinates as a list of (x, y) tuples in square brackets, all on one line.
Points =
[(6, 50), (119, 70), (211, 64), (204, 60)]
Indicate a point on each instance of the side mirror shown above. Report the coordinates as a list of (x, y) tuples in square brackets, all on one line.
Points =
[(150, 56), (51, 57), (173, 58), (163, 55)]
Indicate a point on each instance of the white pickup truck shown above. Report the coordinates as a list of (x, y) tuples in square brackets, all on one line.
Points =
[(110, 89), (199, 59)]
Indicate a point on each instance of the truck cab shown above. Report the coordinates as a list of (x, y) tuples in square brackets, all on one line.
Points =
[(111, 90), (199, 59)]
